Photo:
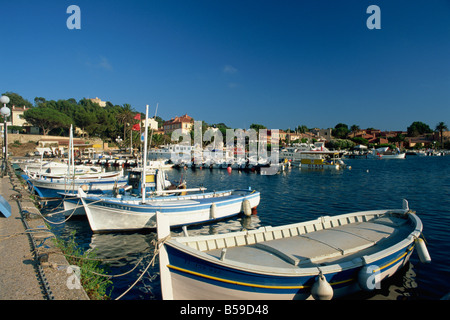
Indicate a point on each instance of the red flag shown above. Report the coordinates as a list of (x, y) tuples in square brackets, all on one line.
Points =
[(137, 116), (136, 127)]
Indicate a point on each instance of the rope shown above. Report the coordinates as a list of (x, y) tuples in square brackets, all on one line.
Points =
[(158, 245), (54, 213)]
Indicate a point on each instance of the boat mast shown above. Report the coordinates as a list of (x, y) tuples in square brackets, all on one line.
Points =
[(144, 158), (72, 152), (151, 135)]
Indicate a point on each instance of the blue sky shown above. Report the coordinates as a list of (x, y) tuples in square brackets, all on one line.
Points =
[(276, 63)]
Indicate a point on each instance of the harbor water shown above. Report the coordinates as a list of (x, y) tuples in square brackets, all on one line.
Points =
[(297, 195)]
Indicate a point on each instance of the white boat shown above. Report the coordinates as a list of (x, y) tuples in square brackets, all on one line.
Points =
[(313, 156), (59, 168), (325, 258), (156, 180), (125, 213), (386, 153), (48, 186)]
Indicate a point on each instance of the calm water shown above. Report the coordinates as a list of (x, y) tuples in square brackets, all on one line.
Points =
[(299, 195)]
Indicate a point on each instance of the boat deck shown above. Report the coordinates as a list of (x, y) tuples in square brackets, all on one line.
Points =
[(332, 245)]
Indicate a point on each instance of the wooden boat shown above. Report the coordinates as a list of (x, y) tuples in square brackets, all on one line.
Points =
[(60, 169), (156, 181), (331, 256), (49, 186), (124, 213)]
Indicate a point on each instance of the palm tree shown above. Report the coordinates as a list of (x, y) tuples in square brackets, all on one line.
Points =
[(354, 128), (125, 116), (441, 127)]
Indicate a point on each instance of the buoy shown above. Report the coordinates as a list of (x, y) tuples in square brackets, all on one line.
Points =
[(369, 278), (212, 211), (422, 251), (321, 289), (84, 187), (229, 169), (246, 208)]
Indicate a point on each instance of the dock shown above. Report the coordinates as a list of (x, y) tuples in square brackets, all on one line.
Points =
[(31, 266)]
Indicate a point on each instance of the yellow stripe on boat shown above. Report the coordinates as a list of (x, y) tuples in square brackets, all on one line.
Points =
[(248, 284)]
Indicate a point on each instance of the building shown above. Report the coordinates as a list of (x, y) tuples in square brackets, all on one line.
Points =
[(16, 119), (322, 134), (16, 116), (152, 124), (424, 140), (99, 102), (184, 123)]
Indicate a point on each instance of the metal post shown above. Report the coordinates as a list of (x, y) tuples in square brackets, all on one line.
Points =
[(5, 112), (6, 140)]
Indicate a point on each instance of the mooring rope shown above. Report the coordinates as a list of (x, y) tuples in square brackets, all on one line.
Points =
[(158, 245), (55, 213)]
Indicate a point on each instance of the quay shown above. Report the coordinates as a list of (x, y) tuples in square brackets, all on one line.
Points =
[(31, 266)]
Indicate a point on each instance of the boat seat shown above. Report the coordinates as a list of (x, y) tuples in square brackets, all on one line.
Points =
[(285, 256)]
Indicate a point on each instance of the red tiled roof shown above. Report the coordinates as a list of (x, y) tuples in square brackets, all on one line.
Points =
[(181, 119)]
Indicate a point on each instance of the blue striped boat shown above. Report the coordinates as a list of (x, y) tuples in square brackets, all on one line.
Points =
[(47, 186), (125, 213), (322, 259)]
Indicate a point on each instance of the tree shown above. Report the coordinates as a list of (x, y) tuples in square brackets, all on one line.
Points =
[(47, 119), (302, 129), (360, 140), (39, 101), (418, 128), (84, 119), (257, 127), (340, 131), (441, 127), (398, 138), (17, 100), (354, 128), (125, 116)]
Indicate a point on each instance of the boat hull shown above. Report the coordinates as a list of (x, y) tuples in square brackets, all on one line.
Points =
[(52, 188), (118, 215), (394, 156), (326, 166), (214, 282), (353, 252), (73, 206)]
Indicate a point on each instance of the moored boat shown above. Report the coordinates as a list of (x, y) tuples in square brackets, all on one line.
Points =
[(313, 156), (386, 153), (125, 213), (325, 258), (49, 186)]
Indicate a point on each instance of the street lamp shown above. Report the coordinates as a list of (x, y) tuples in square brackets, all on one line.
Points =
[(5, 113)]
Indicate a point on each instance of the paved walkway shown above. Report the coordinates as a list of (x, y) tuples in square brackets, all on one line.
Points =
[(23, 274)]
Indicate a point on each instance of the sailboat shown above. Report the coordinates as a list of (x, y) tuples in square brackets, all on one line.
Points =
[(124, 211)]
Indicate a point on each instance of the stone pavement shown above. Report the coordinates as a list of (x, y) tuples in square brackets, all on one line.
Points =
[(31, 267)]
